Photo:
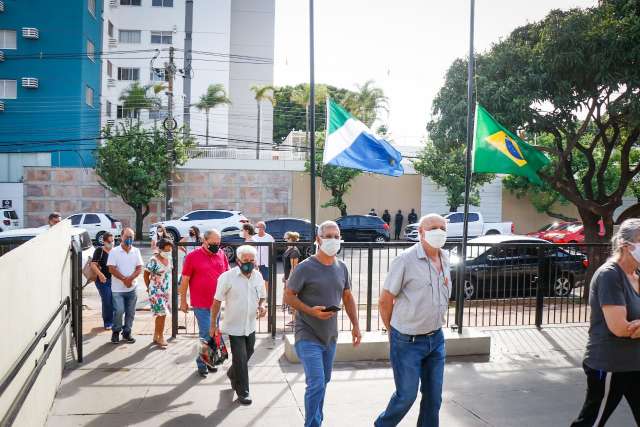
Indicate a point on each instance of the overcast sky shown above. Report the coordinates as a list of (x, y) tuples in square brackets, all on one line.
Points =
[(406, 46)]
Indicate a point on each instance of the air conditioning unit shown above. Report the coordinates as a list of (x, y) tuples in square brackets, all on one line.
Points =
[(113, 42), (1, 6), (113, 3), (30, 33), (1, 106), (111, 82), (1, 56), (111, 122), (30, 82)]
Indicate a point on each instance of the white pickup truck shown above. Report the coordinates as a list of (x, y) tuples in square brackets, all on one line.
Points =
[(477, 227)]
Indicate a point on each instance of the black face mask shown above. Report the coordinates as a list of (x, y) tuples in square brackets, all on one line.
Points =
[(214, 248), (246, 267)]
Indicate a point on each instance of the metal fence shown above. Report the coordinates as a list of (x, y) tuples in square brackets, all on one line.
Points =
[(508, 284)]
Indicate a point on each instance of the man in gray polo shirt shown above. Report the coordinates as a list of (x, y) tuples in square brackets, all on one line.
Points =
[(413, 306), (316, 284)]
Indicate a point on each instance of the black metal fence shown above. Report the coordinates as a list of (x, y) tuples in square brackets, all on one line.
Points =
[(504, 284)]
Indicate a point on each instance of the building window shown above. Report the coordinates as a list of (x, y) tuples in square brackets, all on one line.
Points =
[(110, 29), (109, 68), (130, 2), (7, 39), (129, 36), (108, 109), (8, 89), (128, 73), (162, 3), (161, 37), (157, 75), (91, 51), (88, 96), (126, 113), (91, 5)]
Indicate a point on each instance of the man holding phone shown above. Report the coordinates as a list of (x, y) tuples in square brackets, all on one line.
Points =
[(315, 290)]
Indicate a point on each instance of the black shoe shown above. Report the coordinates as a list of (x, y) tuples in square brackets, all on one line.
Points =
[(128, 338), (115, 337), (203, 373), (212, 369), (245, 400)]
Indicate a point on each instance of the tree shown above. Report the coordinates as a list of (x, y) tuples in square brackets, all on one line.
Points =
[(367, 102), (261, 93), (574, 77), (445, 167), (302, 97), (215, 96), (136, 98), (133, 164)]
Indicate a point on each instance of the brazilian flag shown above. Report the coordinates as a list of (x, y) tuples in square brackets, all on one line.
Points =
[(496, 150)]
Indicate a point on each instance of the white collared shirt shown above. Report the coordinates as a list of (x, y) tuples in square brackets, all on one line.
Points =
[(240, 295)]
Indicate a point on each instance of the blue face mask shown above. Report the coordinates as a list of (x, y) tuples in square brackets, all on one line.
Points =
[(128, 242), (246, 267)]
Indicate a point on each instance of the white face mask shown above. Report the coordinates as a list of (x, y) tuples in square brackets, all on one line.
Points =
[(635, 252), (330, 246), (435, 238), (165, 255)]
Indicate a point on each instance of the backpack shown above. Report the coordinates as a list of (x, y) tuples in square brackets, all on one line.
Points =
[(88, 272)]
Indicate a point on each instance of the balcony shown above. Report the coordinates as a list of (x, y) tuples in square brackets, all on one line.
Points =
[(30, 33), (1, 6), (1, 56), (113, 42), (30, 82), (111, 82), (244, 153), (113, 3), (1, 106)]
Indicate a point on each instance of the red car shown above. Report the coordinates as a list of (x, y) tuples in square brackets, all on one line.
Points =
[(550, 228), (574, 233)]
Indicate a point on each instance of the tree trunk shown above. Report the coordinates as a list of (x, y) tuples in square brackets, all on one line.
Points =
[(141, 214), (207, 130), (560, 216), (259, 137), (343, 209), (596, 254), (453, 209)]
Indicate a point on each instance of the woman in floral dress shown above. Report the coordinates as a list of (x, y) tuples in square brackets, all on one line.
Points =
[(157, 277)]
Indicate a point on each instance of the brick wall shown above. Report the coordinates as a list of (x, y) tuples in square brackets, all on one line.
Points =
[(258, 194)]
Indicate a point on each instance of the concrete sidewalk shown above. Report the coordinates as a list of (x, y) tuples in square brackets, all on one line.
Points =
[(532, 379)]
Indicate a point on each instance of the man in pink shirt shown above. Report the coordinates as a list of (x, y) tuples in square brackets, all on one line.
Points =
[(200, 273)]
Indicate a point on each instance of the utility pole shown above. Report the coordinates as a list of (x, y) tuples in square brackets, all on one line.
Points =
[(258, 136), (170, 125), (188, 44), (311, 121)]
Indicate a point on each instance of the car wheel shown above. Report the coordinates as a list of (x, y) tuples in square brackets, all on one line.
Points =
[(174, 235), (100, 238), (562, 286), (230, 252), (380, 239)]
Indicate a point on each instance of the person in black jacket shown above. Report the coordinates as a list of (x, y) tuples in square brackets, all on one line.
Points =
[(399, 220), (103, 278), (413, 217), (386, 217)]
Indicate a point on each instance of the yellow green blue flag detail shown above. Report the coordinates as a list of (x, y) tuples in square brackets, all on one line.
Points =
[(497, 150)]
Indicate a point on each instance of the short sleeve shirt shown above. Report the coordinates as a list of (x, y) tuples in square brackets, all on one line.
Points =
[(263, 251), (240, 295), (100, 257), (203, 269), (421, 291), (126, 263), (605, 351), (318, 284)]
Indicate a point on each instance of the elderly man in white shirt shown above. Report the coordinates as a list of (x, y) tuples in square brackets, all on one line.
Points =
[(242, 290)]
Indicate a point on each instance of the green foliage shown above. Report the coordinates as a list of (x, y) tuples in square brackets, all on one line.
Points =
[(141, 97), (133, 164), (571, 79)]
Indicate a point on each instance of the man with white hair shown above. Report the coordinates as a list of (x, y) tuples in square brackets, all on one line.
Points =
[(263, 251), (315, 290), (242, 291), (413, 307), (200, 272)]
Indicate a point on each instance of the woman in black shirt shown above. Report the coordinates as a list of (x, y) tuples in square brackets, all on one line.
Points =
[(103, 279), (290, 259)]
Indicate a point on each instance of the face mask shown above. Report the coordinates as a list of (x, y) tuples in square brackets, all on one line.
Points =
[(214, 248), (435, 238), (635, 252), (128, 241), (165, 255), (108, 245), (330, 246), (246, 267)]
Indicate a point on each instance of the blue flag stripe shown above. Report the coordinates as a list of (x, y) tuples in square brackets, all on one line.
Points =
[(370, 154)]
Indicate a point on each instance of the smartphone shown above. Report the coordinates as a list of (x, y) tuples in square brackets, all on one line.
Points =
[(332, 308)]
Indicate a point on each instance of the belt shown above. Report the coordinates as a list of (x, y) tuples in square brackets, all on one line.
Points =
[(428, 334)]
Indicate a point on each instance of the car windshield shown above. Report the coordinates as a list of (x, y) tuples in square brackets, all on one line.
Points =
[(574, 227)]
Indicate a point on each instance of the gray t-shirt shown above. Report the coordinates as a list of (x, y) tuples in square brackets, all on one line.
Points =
[(318, 284), (605, 351)]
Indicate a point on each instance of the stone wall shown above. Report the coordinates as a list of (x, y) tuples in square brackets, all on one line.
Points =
[(258, 194)]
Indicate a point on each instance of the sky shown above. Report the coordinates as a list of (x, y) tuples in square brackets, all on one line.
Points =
[(405, 46)]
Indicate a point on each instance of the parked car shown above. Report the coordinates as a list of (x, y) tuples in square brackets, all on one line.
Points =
[(9, 220), (13, 238), (96, 224), (573, 233), (455, 220), (510, 266), (363, 228), (203, 219), (549, 228)]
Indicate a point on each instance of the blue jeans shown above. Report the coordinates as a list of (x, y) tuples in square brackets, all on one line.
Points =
[(317, 361), (420, 360), (203, 317), (264, 270), (104, 289), (124, 304)]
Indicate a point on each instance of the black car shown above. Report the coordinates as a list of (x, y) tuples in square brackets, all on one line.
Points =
[(363, 228), (510, 266)]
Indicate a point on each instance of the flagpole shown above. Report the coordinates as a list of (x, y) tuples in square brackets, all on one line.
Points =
[(467, 172), (311, 124)]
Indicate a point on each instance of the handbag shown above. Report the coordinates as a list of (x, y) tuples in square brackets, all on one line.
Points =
[(88, 272), (213, 352)]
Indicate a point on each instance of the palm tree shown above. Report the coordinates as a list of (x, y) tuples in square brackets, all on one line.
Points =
[(302, 96), (262, 93), (157, 89), (366, 102), (136, 97), (216, 95)]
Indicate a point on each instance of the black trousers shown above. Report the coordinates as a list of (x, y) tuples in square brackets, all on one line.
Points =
[(398, 231), (604, 392), (241, 351)]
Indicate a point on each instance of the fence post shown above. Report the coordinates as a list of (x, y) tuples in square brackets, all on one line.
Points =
[(76, 296), (174, 292), (369, 286), (539, 291), (460, 276), (273, 288)]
